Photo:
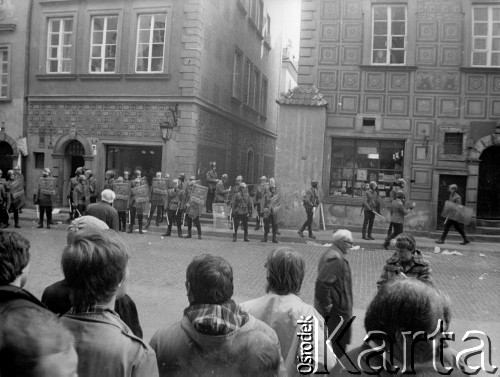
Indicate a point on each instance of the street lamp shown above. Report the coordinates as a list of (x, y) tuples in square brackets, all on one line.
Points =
[(167, 126)]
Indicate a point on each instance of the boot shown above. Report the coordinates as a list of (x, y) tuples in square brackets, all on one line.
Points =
[(169, 231), (40, 225), (234, 237), (17, 225), (265, 238), (179, 232), (301, 231), (130, 228), (312, 236), (199, 233), (189, 233), (274, 239), (245, 236)]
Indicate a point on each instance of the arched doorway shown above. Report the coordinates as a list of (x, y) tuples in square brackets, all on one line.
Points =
[(6, 154), (488, 196)]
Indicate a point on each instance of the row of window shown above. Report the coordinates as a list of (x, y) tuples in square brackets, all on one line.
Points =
[(389, 35), (355, 162), (249, 85), (149, 47)]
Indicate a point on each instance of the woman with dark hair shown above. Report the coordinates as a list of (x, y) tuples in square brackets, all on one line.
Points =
[(399, 322), (283, 310)]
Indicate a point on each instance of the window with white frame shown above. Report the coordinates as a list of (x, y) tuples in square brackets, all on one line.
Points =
[(103, 42), (486, 36), (151, 32), (59, 45), (389, 34), (4, 61), (247, 83), (263, 97), (256, 90), (237, 69)]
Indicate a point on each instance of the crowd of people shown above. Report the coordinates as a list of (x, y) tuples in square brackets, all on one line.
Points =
[(87, 325)]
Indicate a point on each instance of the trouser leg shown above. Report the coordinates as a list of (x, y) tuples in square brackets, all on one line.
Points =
[(16, 215), (365, 224), (460, 229), (198, 226), (309, 220), (41, 210), (159, 210), (397, 229), (139, 220), (245, 227), (48, 211), (447, 227), (189, 223), (371, 219)]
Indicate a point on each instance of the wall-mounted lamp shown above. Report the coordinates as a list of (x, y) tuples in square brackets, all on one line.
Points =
[(171, 122)]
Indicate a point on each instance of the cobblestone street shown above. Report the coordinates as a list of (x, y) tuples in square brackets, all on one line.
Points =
[(157, 275)]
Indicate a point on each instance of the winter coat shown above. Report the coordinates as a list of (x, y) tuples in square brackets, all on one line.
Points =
[(311, 198), (418, 268), (398, 211), (105, 212)]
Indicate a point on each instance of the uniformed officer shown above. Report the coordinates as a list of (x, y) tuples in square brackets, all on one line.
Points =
[(137, 205), (193, 211), (91, 187), (14, 201), (175, 198), (80, 196), (109, 180), (457, 199), (269, 215), (259, 200), (44, 200), (73, 182), (156, 204), (242, 210), (311, 201), (212, 182), (121, 205)]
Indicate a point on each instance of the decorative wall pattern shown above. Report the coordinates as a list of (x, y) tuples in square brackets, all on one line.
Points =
[(375, 81), (495, 84), (328, 55), (350, 80), (437, 81), (399, 81), (432, 9), (426, 55), (352, 32), (328, 79), (475, 84), (424, 106), (349, 104), (330, 32), (97, 119), (451, 31), (426, 31), (374, 104), (352, 10), (475, 108), (397, 105), (351, 55), (330, 9), (448, 107), (451, 56)]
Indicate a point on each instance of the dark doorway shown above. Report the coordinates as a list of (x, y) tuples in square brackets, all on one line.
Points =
[(488, 193), (207, 154), (6, 153), (443, 195), (147, 158), (76, 162), (74, 152)]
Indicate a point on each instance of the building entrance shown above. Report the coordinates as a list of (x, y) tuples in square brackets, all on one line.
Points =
[(488, 195), (147, 158), (73, 159)]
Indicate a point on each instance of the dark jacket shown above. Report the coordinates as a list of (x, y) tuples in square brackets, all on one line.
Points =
[(311, 198), (11, 296), (417, 268), (333, 291), (398, 211), (106, 346), (44, 199), (56, 297), (221, 192), (242, 204), (211, 179), (103, 211)]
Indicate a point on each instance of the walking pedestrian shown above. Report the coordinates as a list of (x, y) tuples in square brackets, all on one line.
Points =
[(398, 212), (456, 199), (370, 205), (311, 201)]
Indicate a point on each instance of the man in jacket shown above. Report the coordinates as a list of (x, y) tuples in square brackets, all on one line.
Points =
[(259, 200), (220, 191), (15, 195), (73, 182), (269, 215), (210, 322), (311, 201), (80, 196), (370, 205), (193, 211), (211, 182), (406, 261), (398, 213), (157, 201), (91, 187), (242, 210), (104, 210), (456, 199), (333, 291), (137, 202), (104, 343)]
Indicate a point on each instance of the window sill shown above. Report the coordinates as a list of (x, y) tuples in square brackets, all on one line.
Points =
[(236, 100), (251, 110), (263, 117), (56, 76), (7, 27), (480, 69), (100, 76), (389, 67), (5, 100), (147, 76)]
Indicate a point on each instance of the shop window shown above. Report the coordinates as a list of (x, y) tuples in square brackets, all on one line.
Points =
[(453, 143), (39, 160), (355, 162)]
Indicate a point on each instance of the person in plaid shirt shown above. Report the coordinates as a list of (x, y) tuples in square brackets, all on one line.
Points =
[(406, 261)]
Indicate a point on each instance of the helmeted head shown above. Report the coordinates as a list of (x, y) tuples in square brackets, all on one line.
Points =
[(182, 177), (453, 188), (10, 173), (82, 178), (224, 177), (272, 189), (110, 174), (239, 179), (17, 169), (314, 183), (46, 172), (166, 175), (126, 174), (400, 195), (119, 180), (89, 174), (263, 179), (213, 165), (192, 178), (401, 182), (243, 187), (373, 185), (175, 182), (138, 173), (158, 174), (78, 172), (108, 196)]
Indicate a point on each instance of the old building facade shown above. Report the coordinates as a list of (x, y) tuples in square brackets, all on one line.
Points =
[(413, 91), (104, 76)]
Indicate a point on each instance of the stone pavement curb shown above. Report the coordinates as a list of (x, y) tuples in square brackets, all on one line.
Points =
[(424, 244)]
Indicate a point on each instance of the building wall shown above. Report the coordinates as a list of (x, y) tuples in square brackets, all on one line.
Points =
[(434, 93), (13, 38), (126, 108)]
